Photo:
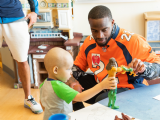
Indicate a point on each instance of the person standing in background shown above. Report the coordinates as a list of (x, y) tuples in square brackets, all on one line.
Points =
[(14, 29)]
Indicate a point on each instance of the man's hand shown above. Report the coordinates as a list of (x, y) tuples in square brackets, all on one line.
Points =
[(73, 83), (124, 117), (33, 18), (137, 65)]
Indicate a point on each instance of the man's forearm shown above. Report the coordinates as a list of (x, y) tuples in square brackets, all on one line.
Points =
[(152, 71), (73, 80), (77, 72), (33, 5)]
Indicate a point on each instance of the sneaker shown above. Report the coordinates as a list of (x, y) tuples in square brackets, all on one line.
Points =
[(33, 105)]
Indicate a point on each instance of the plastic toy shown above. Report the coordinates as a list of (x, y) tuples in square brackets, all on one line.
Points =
[(125, 69), (112, 70)]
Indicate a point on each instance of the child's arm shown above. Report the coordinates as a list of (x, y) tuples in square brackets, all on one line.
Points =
[(108, 83)]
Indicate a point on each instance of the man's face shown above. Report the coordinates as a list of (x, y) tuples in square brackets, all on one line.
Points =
[(101, 29)]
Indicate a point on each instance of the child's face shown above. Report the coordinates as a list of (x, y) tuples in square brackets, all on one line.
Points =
[(64, 73)]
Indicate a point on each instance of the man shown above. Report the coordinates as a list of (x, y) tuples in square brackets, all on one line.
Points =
[(14, 29), (109, 40)]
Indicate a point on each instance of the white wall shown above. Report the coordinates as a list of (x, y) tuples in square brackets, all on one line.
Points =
[(127, 15)]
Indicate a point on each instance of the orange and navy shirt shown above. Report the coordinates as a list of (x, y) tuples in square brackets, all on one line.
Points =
[(124, 46)]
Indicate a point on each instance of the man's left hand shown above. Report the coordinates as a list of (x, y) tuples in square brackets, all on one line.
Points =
[(137, 65), (33, 18), (73, 83)]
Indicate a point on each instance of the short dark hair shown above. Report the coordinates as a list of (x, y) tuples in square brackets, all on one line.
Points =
[(100, 11)]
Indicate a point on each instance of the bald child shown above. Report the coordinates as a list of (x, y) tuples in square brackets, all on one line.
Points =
[(55, 95)]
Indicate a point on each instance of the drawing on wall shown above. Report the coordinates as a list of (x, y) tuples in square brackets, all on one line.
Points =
[(153, 30)]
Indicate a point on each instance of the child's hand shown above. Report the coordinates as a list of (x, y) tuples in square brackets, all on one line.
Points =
[(109, 83)]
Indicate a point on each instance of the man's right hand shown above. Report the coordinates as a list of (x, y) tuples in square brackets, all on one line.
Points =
[(109, 83)]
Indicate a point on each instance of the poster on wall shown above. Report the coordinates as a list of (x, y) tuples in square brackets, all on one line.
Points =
[(153, 30), (109, 1)]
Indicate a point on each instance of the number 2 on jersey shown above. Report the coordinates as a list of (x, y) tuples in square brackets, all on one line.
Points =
[(125, 35)]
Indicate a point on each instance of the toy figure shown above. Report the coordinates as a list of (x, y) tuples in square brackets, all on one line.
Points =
[(125, 69), (112, 70)]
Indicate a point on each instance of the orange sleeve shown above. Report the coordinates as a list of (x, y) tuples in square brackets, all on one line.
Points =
[(81, 60), (140, 49)]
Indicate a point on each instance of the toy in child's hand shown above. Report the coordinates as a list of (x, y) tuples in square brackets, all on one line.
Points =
[(126, 69), (112, 70)]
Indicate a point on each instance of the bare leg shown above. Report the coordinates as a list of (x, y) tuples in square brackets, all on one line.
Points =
[(24, 74)]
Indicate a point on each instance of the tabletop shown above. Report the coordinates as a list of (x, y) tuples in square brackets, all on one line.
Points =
[(139, 102)]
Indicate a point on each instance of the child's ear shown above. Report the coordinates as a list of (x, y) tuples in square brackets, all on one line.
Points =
[(55, 70)]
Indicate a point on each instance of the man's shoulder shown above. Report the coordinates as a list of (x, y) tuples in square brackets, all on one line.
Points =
[(88, 41), (127, 36)]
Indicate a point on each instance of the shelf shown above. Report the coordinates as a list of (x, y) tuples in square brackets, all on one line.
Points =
[(42, 78), (64, 28), (63, 1), (39, 24), (41, 71), (60, 8), (64, 8), (154, 15), (45, 10)]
